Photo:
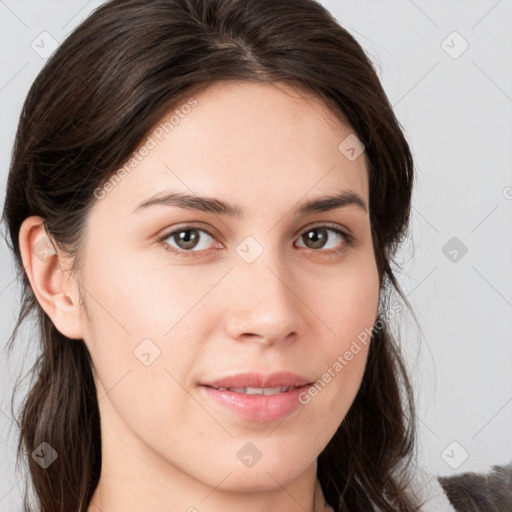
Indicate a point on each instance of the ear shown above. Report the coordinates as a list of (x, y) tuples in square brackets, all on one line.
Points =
[(53, 285)]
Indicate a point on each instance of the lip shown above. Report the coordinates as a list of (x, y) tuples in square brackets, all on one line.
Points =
[(258, 408), (259, 380)]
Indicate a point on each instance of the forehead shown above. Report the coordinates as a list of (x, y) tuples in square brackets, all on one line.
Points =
[(264, 143)]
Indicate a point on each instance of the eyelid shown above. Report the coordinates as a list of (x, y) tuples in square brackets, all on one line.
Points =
[(191, 225), (325, 224)]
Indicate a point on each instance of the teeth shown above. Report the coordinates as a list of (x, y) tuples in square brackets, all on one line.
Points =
[(259, 391)]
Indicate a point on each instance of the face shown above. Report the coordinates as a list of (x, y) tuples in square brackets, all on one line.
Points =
[(178, 297)]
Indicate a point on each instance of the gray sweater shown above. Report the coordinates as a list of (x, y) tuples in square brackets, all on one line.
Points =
[(465, 492)]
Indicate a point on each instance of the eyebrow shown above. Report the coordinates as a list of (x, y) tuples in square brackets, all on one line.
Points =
[(217, 206)]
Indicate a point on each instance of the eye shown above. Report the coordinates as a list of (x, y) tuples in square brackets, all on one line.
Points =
[(187, 238), (317, 237), (191, 240)]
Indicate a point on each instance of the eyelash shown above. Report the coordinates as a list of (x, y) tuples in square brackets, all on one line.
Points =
[(349, 240)]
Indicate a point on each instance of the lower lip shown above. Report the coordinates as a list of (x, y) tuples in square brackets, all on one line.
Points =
[(261, 408)]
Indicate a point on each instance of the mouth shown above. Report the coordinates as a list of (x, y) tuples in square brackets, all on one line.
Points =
[(253, 403), (257, 391)]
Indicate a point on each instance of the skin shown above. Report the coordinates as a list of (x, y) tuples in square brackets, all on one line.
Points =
[(267, 148)]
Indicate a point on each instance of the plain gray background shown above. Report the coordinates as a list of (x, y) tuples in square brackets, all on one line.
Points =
[(445, 66)]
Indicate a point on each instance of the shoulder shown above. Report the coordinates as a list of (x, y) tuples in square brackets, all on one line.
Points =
[(480, 492)]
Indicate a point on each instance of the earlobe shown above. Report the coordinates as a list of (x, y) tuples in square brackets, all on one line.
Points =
[(51, 283)]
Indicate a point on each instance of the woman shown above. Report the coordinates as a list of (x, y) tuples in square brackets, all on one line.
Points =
[(204, 201)]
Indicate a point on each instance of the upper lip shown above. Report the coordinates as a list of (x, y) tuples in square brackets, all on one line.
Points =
[(259, 380)]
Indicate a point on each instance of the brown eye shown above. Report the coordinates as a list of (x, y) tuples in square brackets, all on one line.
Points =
[(187, 240), (317, 237), (193, 241)]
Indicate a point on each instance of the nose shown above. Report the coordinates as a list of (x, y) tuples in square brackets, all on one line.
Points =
[(266, 304)]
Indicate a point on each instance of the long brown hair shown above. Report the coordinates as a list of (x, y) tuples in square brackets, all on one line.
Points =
[(89, 108)]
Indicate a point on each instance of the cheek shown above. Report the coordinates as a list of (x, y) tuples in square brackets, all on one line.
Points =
[(141, 374), (135, 298), (349, 309), (139, 315), (348, 303)]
